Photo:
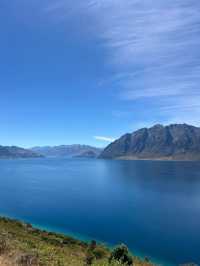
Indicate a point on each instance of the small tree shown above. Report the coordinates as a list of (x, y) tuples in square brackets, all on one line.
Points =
[(121, 253)]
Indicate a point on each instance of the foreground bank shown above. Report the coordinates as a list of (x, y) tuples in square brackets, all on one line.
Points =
[(21, 244)]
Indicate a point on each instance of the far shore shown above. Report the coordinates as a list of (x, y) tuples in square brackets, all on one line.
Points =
[(163, 159)]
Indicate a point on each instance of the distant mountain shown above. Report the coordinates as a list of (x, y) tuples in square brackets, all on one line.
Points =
[(173, 142), (12, 152), (87, 154), (69, 151)]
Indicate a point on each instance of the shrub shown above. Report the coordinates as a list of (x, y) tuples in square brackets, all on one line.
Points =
[(121, 253)]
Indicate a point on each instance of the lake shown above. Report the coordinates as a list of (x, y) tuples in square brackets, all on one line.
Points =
[(152, 206)]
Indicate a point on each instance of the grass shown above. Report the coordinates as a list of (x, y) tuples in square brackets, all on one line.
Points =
[(21, 244)]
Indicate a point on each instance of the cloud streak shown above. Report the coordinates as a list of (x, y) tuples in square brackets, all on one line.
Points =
[(153, 48), (107, 139)]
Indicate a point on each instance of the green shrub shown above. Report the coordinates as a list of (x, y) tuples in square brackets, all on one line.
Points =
[(121, 253)]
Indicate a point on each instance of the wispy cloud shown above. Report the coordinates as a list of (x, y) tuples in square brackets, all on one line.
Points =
[(153, 47), (107, 139)]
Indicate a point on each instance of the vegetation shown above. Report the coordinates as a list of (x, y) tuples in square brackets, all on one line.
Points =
[(121, 254), (21, 244)]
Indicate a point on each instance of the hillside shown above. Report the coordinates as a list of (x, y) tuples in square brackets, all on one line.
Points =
[(13, 152), (21, 244), (173, 142), (67, 151)]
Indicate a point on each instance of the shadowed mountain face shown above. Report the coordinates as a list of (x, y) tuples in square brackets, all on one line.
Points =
[(75, 150), (12, 152), (173, 142)]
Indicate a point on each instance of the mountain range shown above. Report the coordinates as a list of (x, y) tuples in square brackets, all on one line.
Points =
[(173, 142), (13, 152), (75, 150)]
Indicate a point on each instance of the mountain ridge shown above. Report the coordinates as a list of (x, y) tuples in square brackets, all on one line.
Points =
[(73, 150), (172, 142), (14, 152)]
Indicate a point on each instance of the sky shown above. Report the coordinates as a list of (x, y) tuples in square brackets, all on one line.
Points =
[(89, 71)]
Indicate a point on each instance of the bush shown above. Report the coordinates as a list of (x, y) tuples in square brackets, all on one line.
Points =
[(121, 253)]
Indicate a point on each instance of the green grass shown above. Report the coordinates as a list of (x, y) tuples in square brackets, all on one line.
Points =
[(21, 244)]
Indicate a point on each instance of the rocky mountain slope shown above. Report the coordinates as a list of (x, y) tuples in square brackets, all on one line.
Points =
[(173, 142)]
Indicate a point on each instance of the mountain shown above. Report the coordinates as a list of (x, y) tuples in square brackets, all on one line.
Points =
[(68, 151), (173, 142), (87, 154), (12, 152)]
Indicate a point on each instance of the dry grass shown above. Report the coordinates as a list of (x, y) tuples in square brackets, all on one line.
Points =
[(21, 244)]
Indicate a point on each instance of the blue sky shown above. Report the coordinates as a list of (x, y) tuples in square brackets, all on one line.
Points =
[(89, 71)]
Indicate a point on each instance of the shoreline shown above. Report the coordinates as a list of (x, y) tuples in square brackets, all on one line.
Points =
[(123, 158), (82, 239), (150, 159)]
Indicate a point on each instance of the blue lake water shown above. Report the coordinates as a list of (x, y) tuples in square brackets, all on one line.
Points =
[(152, 206)]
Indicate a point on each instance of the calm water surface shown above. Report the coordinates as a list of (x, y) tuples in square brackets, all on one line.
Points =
[(153, 207)]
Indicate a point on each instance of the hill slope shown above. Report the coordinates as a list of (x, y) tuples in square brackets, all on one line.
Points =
[(13, 152), (23, 245), (67, 150), (173, 142)]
